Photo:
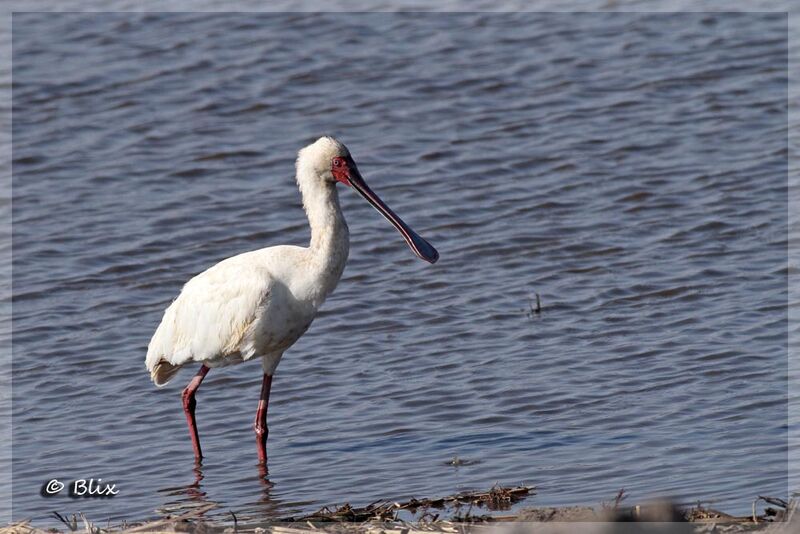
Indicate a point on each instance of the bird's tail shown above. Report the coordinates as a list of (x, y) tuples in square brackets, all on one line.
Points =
[(163, 372)]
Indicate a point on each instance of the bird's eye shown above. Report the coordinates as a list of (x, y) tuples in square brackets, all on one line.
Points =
[(337, 162)]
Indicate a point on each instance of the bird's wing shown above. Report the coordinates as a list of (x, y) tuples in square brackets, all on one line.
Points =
[(210, 318)]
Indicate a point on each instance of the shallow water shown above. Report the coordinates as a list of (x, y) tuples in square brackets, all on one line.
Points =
[(628, 168)]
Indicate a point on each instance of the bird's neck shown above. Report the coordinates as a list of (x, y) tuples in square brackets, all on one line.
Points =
[(330, 238)]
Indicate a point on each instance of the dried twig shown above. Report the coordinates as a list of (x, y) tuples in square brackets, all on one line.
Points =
[(619, 498), (71, 525)]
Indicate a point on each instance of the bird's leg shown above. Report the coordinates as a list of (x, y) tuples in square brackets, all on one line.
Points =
[(188, 408), (260, 425)]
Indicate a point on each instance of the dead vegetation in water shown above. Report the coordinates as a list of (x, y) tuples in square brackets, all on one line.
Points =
[(781, 512), (455, 514), (781, 517), (497, 498)]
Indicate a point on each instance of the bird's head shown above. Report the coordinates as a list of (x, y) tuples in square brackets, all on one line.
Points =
[(323, 156), (329, 160)]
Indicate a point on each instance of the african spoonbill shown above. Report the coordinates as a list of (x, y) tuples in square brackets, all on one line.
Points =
[(257, 304)]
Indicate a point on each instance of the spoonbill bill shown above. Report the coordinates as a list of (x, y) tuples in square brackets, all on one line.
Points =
[(257, 304)]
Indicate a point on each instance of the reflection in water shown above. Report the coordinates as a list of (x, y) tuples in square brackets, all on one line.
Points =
[(266, 483), (267, 504), (193, 497), (193, 493)]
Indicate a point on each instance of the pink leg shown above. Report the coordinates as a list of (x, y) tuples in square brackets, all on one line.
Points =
[(188, 408), (260, 425)]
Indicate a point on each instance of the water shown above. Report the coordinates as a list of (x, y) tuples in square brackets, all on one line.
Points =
[(628, 168)]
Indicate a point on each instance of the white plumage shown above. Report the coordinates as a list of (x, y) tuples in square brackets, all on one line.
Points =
[(240, 308), (259, 303)]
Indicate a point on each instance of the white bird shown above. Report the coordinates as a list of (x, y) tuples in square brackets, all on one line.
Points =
[(257, 304)]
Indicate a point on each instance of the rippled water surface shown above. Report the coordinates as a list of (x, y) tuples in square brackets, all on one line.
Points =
[(628, 168)]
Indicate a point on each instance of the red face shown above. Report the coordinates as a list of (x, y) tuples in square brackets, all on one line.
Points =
[(344, 170), (340, 168)]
